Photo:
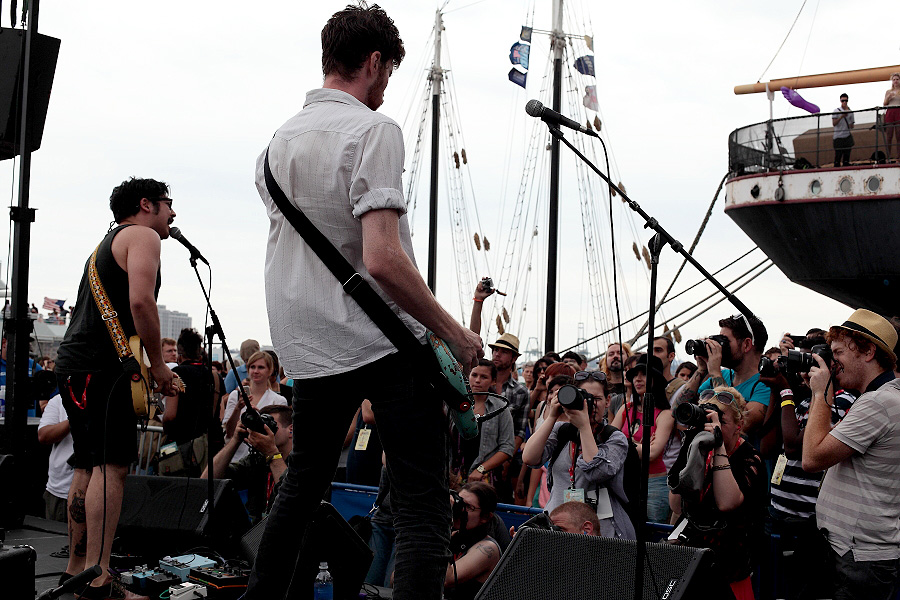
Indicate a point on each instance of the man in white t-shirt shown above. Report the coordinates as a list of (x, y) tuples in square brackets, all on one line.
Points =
[(54, 429)]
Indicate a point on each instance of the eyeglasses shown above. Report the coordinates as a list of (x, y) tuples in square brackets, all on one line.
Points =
[(595, 375), (164, 200), (722, 396), (470, 507), (747, 323)]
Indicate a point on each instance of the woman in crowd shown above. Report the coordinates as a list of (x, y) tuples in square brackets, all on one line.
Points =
[(685, 370), (476, 459), (260, 370), (892, 116), (629, 420), (727, 512), (475, 553), (582, 465)]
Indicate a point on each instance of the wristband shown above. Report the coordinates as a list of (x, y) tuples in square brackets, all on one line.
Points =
[(478, 299), (721, 467), (275, 456), (720, 454), (786, 392), (787, 402)]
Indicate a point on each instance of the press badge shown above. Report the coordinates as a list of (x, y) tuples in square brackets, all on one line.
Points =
[(778, 471), (362, 440), (574, 495)]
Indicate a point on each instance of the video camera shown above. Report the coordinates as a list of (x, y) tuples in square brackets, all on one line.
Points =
[(487, 284), (796, 361), (574, 398), (698, 347)]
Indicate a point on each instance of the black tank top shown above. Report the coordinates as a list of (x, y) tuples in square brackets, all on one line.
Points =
[(87, 347)]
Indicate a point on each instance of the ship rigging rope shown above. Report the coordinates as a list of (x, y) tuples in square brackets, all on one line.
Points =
[(700, 231), (782, 42), (736, 279), (716, 303)]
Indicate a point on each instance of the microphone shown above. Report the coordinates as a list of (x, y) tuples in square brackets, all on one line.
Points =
[(76, 581), (536, 109), (174, 232)]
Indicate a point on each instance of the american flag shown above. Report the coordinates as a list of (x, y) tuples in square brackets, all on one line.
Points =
[(51, 304)]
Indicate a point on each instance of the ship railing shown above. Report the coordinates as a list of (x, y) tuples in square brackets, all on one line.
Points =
[(806, 142)]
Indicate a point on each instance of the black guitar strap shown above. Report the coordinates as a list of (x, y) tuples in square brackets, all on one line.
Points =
[(353, 283)]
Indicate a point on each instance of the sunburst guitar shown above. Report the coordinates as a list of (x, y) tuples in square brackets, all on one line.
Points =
[(142, 382), (457, 395)]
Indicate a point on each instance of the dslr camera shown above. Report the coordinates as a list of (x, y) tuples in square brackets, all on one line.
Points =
[(693, 415), (574, 398), (698, 347), (487, 284), (796, 361), (255, 421)]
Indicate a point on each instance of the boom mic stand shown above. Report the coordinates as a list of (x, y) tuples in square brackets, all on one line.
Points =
[(659, 240), (214, 329)]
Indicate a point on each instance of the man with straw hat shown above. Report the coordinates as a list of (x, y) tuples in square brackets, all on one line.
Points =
[(858, 507)]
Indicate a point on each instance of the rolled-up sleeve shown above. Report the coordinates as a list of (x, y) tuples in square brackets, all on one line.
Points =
[(609, 460), (376, 169)]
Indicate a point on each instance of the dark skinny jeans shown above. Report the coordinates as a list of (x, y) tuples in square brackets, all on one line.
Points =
[(413, 430)]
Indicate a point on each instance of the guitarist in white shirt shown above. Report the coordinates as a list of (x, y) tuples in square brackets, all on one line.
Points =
[(95, 390)]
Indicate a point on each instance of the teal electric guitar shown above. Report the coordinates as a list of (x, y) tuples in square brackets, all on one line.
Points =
[(458, 396)]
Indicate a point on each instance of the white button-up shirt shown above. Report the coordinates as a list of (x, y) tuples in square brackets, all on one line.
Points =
[(335, 160)]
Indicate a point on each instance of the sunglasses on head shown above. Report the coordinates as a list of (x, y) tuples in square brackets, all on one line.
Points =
[(747, 323), (595, 375), (722, 396)]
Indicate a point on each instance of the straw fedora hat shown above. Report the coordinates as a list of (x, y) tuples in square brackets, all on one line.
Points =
[(874, 328)]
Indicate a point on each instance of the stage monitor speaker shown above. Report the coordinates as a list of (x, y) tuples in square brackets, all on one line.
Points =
[(12, 512), (170, 514), (17, 565), (45, 51), (551, 565), (331, 539)]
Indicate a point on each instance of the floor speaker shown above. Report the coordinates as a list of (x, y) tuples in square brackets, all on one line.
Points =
[(17, 571), (331, 539), (45, 51), (171, 514), (12, 511), (552, 565)]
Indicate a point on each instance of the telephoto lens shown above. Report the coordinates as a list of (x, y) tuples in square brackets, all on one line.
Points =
[(691, 415)]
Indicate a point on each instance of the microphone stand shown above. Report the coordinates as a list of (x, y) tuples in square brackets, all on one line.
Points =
[(215, 328), (659, 240)]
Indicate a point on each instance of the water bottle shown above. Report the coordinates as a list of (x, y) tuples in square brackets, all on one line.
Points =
[(324, 586)]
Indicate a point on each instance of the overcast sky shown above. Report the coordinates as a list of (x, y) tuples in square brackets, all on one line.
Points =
[(190, 93)]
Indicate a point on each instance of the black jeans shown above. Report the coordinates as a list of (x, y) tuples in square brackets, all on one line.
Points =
[(842, 148), (864, 580), (413, 430)]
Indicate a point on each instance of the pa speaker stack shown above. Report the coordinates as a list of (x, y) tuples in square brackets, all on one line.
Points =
[(42, 67), (551, 565)]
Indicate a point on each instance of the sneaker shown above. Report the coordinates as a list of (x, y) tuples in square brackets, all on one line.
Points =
[(104, 592)]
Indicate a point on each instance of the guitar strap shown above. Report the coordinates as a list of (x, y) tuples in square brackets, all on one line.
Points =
[(110, 317), (352, 282)]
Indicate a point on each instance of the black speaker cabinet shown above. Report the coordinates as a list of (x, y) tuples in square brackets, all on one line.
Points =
[(17, 571), (551, 565), (331, 539), (169, 514), (45, 51), (12, 510)]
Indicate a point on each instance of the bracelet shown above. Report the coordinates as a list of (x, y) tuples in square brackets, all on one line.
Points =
[(720, 454), (787, 402), (478, 299), (275, 456), (721, 467), (786, 392)]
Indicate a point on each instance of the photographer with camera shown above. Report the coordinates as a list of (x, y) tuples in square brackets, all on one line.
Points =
[(732, 359), (858, 506), (792, 509), (586, 459), (719, 486), (260, 472), (474, 552)]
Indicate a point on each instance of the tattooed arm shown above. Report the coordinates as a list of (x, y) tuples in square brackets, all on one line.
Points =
[(477, 563)]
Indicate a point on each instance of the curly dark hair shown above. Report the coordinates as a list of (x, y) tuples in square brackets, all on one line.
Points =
[(354, 33), (125, 200), (739, 328), (190, 344)]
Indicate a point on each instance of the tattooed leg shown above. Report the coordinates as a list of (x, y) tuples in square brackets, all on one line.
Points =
[(77, 521)]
